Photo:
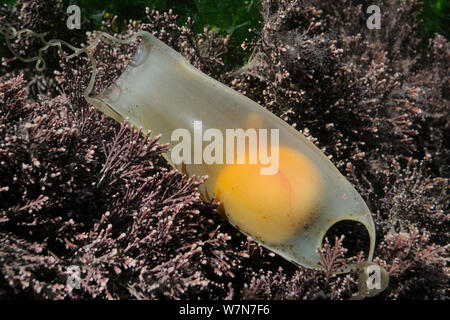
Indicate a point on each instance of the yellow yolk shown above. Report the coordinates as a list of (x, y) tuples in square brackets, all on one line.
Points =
[(271, 208)]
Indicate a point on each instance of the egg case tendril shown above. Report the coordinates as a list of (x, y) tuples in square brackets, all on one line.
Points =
[(10, 33)]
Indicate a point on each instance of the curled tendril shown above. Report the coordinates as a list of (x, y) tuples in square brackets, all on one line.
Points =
[(10, 33)]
